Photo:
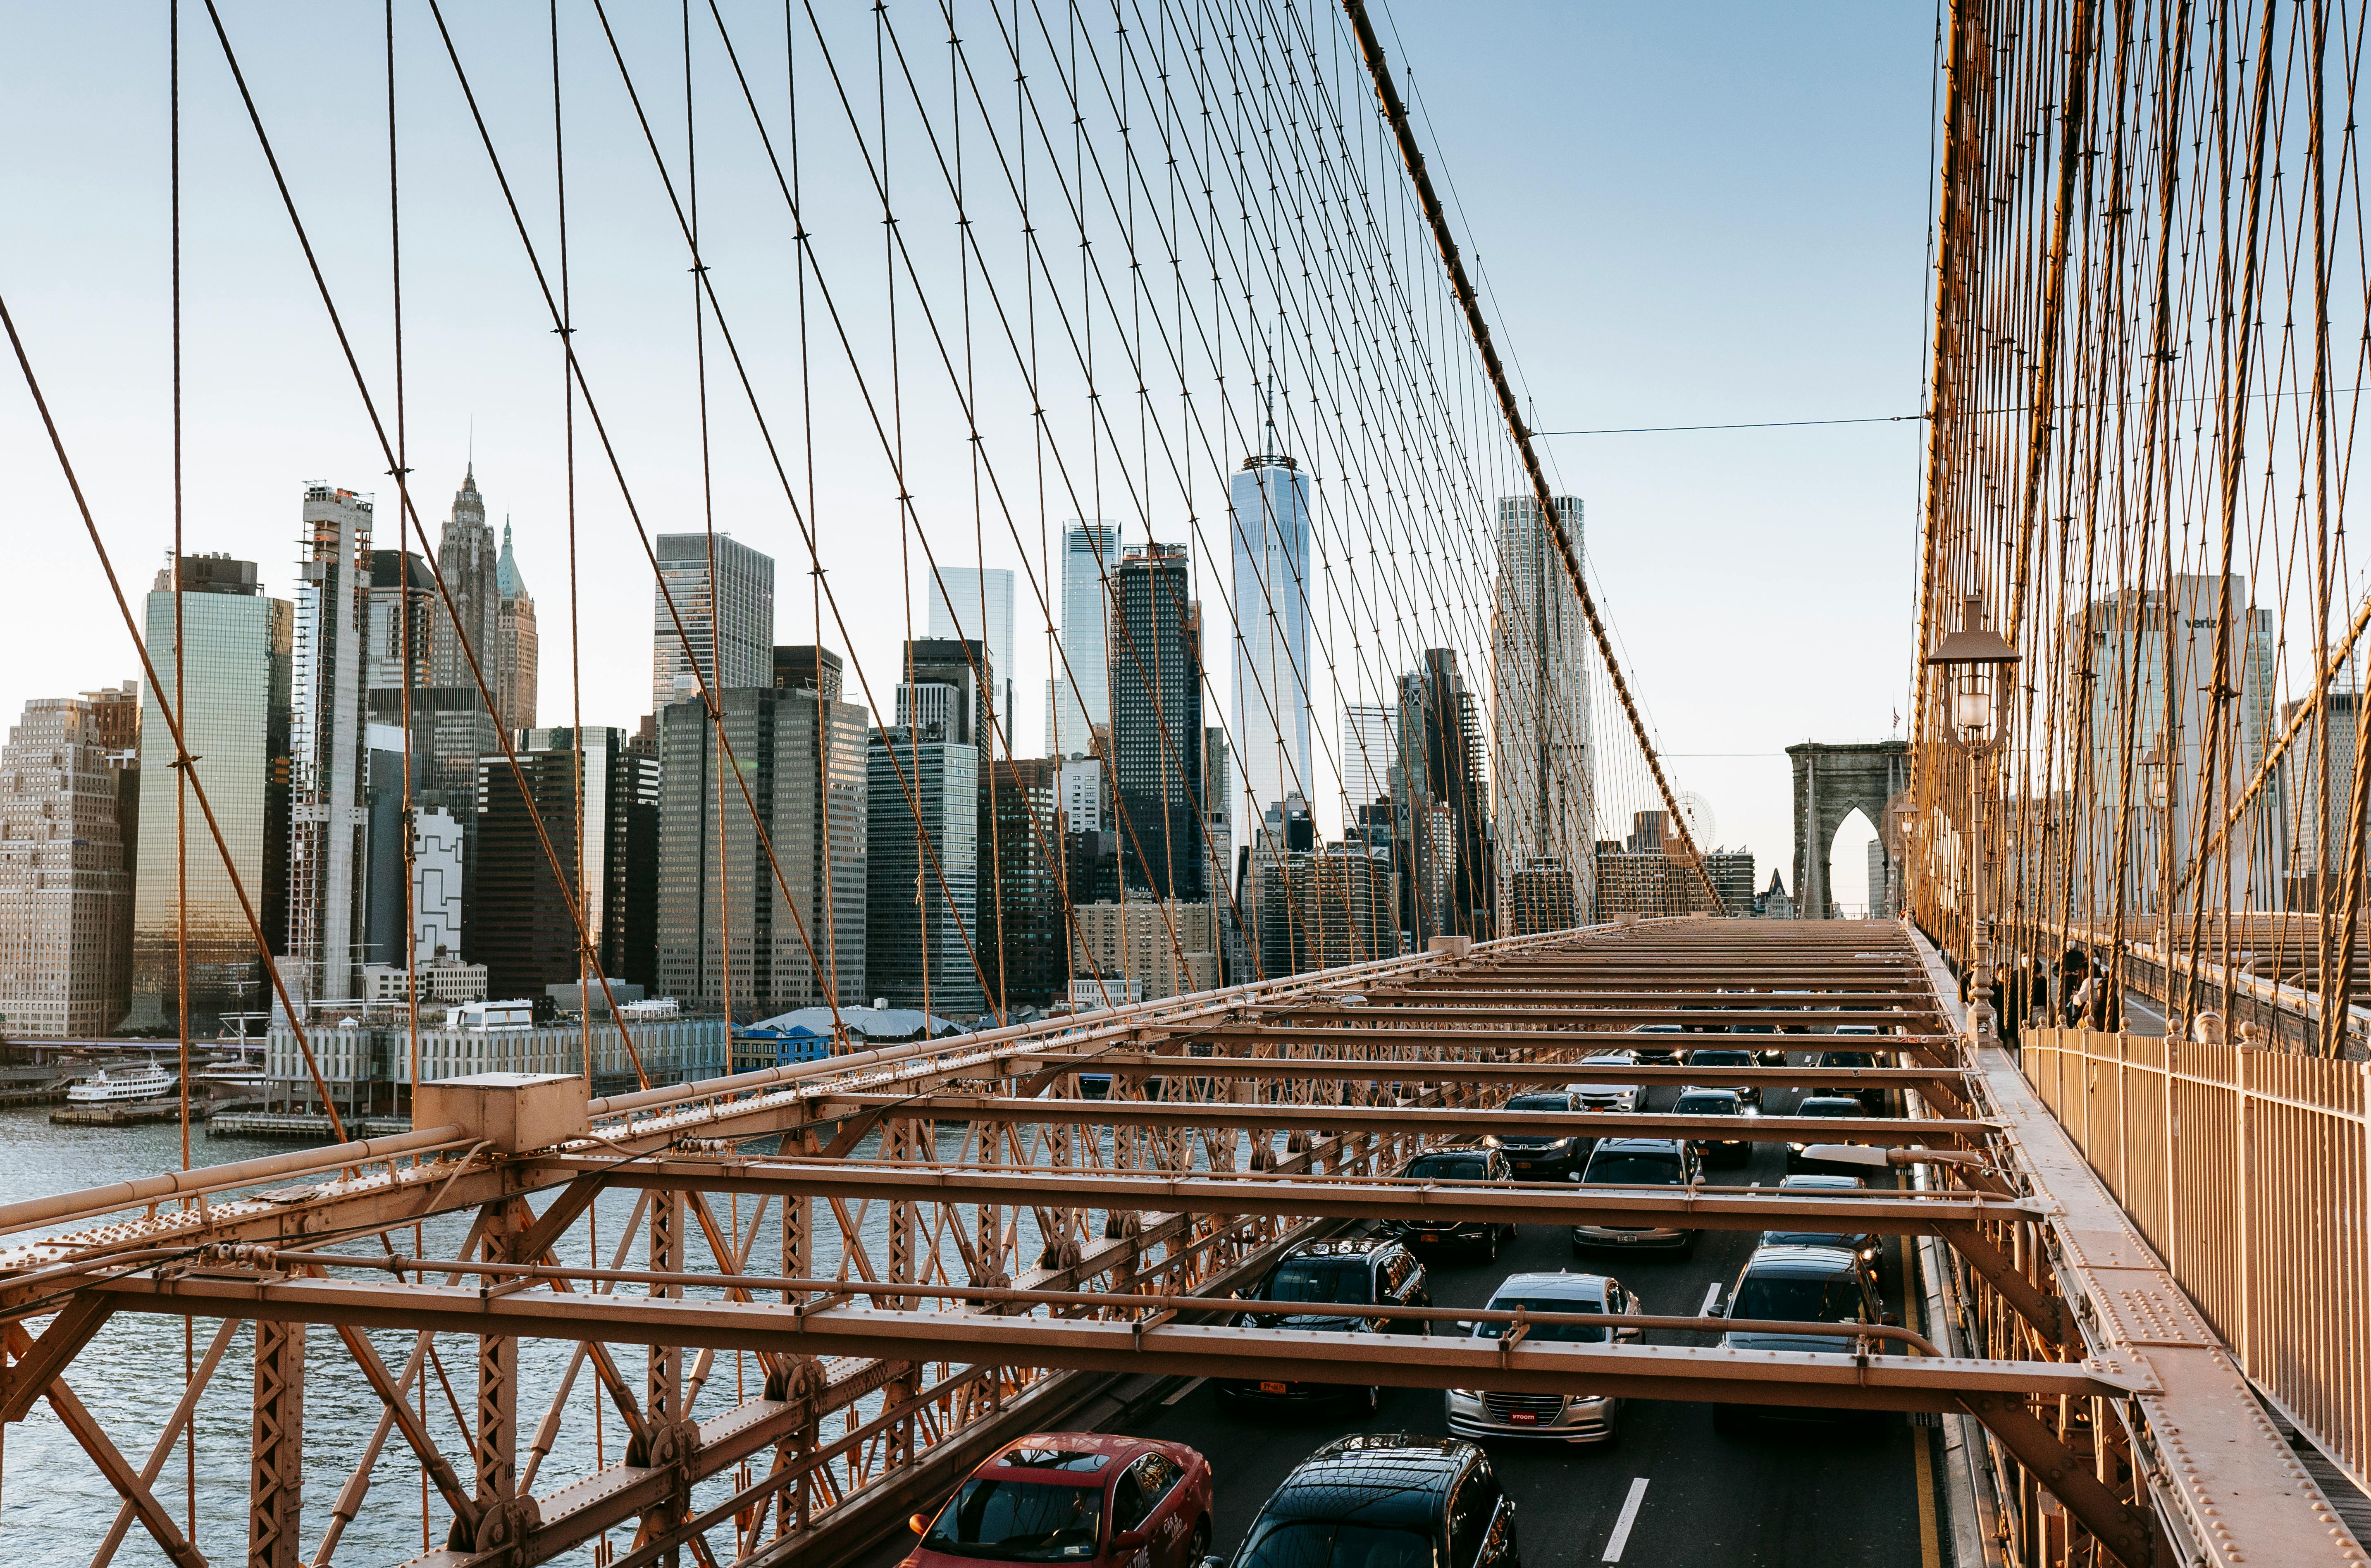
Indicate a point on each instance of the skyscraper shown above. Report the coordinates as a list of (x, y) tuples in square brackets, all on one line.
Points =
[(1442, 816), (1540, 753), (948, 681), (327, 847), (66, 891), (1079, 700), (741, 634), (526, 938), (802, 755), (804, 667), (234, 674), (2321, 823), (451, 729), (977, 603), (1021, 877), (1268, 501), (2127, 669), (465, 559), (1156, 706), (921, 903), (1370, 750), (513, 675), (403, 617)]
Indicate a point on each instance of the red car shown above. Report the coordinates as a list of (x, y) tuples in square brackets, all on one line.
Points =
[(1075, 1497)]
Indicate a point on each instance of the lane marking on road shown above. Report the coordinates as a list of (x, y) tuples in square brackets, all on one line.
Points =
[(1188, 1389), (1712, 1295), (1930, 1550), (1629, 1518)]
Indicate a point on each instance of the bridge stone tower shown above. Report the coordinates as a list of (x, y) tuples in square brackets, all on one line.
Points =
[(1830, 782)]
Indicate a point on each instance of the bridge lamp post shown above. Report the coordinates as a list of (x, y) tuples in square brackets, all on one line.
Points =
[(2156, 781), (1972, 660)]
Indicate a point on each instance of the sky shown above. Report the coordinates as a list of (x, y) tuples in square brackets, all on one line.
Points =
[(1682, 215)]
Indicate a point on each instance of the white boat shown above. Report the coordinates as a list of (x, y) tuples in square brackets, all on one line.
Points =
[(122, 1086)]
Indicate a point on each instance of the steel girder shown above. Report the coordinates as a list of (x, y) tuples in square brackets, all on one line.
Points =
[(1874, 1130), (1543, 1073), (1714, 1208), (1665, 1372)]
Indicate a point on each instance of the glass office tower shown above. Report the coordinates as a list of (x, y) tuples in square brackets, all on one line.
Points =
[(235, 681), (1269, 500)]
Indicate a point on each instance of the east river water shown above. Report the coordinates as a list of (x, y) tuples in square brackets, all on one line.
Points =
[(54, 1506)]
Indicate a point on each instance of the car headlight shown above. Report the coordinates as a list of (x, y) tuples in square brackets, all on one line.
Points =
[(1869, 1251), (1798, 1147), (1470, 1396)]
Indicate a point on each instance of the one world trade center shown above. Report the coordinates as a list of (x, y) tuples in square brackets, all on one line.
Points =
[(1269, 500)]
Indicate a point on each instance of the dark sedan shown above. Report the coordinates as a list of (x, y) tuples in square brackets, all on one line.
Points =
[(1717, 1102), (1535, 1156), (1752, 1093), (1837, 1105)]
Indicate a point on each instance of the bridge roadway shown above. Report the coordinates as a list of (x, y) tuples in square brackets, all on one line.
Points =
[(1789, 1496), (2081, 1361)]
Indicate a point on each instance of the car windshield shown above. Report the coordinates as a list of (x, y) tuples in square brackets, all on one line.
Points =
[(1828, 1108), (1539, 1102), (1324, 1543), (1636, 1170), (1753, 1029), (1346, 1282), (1575, 1333), (1451, 1167), (1847, 1059), (1707, 1105), (1720, 1059), (1832, 1299), (1019, 1521)]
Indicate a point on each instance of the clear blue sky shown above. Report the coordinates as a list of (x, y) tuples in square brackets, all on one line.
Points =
[(1685, 215)]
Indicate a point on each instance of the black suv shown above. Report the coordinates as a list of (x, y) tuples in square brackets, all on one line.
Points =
[(1387, 1499), (1535, 1156), (1870, 1096), (1471, 1162), (1333, 1280)]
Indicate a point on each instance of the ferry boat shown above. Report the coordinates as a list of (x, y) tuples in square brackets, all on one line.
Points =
[(122, 1086)]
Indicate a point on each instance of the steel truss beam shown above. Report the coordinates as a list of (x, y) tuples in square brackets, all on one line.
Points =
[(1304, 1068), (1378, 1033), (1664, 1372), (1545, 1008), (1881, 1212), (1874, 1131), (129, 1483)]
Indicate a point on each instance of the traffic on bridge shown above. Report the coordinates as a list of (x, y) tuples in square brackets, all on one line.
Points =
[(1183, 1016)]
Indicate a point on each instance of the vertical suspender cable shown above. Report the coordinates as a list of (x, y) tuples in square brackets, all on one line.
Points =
[(1372, 52)]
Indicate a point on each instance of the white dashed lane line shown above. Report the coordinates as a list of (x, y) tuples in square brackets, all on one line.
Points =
[(1184, 1390), (1629, 1518)]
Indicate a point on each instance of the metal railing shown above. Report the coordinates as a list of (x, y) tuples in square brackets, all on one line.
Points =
[(2246, 1170)]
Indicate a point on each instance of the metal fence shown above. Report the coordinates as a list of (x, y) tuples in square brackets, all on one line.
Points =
[(2246, 1169)]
